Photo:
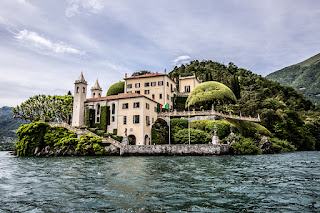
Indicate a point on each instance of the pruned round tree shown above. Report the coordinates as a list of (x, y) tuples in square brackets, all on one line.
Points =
[(116, 88), (208, 93)]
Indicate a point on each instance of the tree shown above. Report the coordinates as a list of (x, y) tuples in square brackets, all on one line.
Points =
[(235, 86), (43, 107), (116, 88), (141, 72)]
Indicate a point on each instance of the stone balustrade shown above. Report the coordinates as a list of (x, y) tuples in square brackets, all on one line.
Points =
[(208, 113)]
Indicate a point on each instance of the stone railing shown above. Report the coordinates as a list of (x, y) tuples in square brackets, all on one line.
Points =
[(207, 113), (80, 132)]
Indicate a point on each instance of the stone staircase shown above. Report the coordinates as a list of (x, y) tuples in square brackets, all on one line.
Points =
[(80, 132)]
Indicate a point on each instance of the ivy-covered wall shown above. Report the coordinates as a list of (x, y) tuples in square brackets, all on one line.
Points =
[(90, 117), (104, 118)]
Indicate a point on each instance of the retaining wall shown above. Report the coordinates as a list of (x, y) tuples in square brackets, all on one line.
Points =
[(177, 149)]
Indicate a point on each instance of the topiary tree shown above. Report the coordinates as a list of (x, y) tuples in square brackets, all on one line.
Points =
[(116, 88), (208, 93)]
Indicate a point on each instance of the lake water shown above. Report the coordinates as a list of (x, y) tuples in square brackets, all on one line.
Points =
[(261, 183)]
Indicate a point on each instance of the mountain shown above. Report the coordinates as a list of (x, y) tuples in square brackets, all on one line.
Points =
[(304, 77), (8, 128)]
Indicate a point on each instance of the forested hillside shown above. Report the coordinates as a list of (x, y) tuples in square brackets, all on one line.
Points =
[(8, 127), (304, 77), (285, 112)]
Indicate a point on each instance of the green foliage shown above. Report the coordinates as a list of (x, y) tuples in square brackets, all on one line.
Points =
[(245, 146), (142, 72), (30, 136), (87, 143), (49, 108), (54, 135), (223, 127), (196, 136), (90, 117), (104, 118), (160, 132), (116, 88), (249, 129), (282, 145), (177, 124), (180, 103), (201, 124), (208, 93), (235, 86), (98, 150), (67, 142)]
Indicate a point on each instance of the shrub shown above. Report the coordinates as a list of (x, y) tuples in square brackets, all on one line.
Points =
[(245, 146), (160, 132), (67, 142), (87, 143), (177, 124), (223, 127), (116, 88), (201, 124), (196, 136), (30, 136)]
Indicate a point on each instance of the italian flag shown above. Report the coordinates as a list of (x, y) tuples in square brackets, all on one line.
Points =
[(166, 106)]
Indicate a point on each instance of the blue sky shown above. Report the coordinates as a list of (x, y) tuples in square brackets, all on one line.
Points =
[(44, 45)]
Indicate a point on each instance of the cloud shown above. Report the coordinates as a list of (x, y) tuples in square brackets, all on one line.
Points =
[(181, 60), (77, 7), (34, 40)]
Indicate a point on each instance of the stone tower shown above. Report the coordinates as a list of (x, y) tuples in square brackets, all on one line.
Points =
[(80, 96), (96, 90)]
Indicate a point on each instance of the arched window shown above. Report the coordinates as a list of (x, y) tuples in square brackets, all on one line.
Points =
[(77, 89), (113, 109), (98, 109), (94, 94), (83, 90)]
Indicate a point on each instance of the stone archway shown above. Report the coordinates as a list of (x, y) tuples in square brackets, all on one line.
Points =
[(146, 140), (132, 140)]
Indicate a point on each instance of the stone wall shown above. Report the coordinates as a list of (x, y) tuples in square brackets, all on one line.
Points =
[(177, 149)]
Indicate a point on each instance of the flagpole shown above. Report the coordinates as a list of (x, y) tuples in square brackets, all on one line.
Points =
[(169, 131), (189, 121), (150, 120)]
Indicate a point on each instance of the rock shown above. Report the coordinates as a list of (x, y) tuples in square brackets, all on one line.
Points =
[(266, 146), (36, 150)]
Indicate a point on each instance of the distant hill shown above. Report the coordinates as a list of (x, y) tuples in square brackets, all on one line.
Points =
[(304, 77), (8, 127)]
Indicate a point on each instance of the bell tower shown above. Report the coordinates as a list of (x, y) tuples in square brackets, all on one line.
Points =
[(96, 90), (80, 96)]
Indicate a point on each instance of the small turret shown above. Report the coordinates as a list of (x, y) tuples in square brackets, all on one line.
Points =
[(96, 90)]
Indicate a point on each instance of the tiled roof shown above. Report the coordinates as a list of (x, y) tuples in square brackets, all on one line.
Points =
[(147, 75), (119, 96)]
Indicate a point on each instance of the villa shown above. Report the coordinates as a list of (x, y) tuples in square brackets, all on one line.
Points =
[(133, 112)]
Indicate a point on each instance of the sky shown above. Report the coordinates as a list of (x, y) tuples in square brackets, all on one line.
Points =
[(45, 45)]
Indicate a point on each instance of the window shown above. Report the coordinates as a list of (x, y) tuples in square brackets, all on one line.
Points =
[(137, 91), (167, 84), (112, 118), (113, 110), (187, 88), (160, 95), (147, 92), (137, 85), (147, 106), (77, 89), (129, 85), (160, 83), (124, 119), (98, 119), (99, 95), (147, 120), (155, 109), (172, 99), (94, 94), (171, 88), (84, 90), (129, 91), (153, 84), (136, 119), (125, 106), (152, 96), (152, 120), (98, 109), (136, 105), (168, 97), (146, 84)]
